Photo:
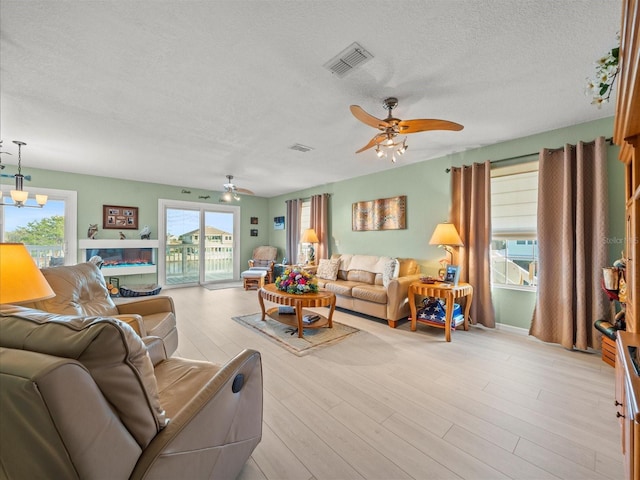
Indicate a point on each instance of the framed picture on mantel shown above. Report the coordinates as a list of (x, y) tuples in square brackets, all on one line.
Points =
[(119, 218)]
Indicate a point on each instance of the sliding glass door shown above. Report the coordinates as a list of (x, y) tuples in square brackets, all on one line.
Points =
[(200, 243)]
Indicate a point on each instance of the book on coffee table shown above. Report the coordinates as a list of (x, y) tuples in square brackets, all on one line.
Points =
[(286, 311), (308, 319)]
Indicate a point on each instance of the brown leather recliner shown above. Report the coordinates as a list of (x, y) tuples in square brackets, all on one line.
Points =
[(81, 290), (85, 398)]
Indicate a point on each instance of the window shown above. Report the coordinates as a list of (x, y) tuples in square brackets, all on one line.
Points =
[(514, 246), (305, 223), (49, 233)]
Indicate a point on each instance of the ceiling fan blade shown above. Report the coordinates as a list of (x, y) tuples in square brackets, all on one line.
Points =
[(372, 143), (424, 124), (370, 120), (244, 190)]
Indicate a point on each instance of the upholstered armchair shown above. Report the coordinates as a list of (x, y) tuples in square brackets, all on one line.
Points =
[(264, 258), (86, 397), (81, 290)]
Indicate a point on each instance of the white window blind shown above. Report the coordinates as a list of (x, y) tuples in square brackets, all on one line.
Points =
[(514, 201), (305, 216)]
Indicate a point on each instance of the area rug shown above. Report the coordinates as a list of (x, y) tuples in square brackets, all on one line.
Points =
[(287, 337)]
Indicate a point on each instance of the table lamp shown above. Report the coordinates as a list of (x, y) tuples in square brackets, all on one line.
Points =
[(20, 279), (446, 236), (309, 236)]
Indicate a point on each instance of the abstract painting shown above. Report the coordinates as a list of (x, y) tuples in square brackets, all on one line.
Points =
[(381, 214)]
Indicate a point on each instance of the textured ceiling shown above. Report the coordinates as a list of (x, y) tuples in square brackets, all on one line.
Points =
[(185, 92)]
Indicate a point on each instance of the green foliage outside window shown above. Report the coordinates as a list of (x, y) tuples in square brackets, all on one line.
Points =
[(47, 231)]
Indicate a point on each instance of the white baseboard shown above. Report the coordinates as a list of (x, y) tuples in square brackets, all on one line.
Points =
[(511, 329)]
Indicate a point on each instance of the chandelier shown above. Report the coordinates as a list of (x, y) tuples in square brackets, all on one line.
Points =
[(389, 146), (19, 195)]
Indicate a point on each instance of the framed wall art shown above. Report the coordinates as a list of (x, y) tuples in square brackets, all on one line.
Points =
[(254, 220), (254, 232), (119, 218), (278, 223), (381, 214)]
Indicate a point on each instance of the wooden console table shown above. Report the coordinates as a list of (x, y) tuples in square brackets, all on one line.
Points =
[(441, 290)]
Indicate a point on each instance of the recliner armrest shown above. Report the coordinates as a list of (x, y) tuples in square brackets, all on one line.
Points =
[(147, 305), (135, 321)]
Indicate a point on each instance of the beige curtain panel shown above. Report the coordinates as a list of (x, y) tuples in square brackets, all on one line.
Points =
[(572, 227), (471, 214)]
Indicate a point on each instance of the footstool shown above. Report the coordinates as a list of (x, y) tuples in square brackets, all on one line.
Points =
[(253, 278)]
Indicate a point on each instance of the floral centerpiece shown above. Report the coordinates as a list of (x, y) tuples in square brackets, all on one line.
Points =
[(297, 281)]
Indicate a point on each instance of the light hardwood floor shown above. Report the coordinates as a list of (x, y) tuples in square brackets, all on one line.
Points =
[(395, 404)]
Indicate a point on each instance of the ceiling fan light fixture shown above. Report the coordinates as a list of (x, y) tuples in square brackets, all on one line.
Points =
[(391, 127), (404, 147)]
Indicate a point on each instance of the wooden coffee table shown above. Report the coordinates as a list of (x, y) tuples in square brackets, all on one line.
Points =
[(323, 298)]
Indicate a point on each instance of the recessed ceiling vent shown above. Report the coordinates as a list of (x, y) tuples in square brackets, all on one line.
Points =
[(347, 60), (300, 148)]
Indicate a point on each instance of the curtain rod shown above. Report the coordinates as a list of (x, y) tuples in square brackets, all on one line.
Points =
[(609, 140)]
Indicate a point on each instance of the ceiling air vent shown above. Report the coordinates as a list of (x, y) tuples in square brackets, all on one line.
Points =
[(351, 57), (300, 148)]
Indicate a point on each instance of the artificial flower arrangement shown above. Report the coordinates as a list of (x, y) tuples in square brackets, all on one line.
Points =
[(607, 70), (297, 281)]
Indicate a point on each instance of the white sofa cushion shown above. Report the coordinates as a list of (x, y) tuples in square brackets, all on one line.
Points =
[(328, 268), (390, 271), (368, 263)]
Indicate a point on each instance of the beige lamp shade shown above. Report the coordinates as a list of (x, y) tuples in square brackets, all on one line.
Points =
[(446, 234), (20, 279), (309, 236)]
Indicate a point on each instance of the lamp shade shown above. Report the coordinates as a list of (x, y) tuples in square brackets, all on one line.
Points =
[(309, 236), (20, 278), (446, 234)]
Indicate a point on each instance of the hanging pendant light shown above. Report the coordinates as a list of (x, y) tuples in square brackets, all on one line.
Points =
[(20, 195)]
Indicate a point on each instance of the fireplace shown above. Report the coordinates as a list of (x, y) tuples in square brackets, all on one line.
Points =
[(122, 257)]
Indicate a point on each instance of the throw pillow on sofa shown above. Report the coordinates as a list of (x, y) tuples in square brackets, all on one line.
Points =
[(391, 269), (328, 268)]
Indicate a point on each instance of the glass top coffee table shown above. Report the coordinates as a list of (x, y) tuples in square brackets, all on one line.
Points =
[(323, 298)]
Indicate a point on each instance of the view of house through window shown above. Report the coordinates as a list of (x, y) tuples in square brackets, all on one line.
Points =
[(200, 244), (49, 233), (514, 246)]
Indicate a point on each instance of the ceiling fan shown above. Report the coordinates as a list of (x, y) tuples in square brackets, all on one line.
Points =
[(391, 127), (231, 191)]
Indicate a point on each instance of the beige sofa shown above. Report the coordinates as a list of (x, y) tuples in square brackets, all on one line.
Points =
[(371, 285), (86, 397)]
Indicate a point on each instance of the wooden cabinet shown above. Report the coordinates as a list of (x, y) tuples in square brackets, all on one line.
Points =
[(627, 135), (627, 402)]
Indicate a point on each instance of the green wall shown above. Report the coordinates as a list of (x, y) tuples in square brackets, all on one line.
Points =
[(93, 192), (426, 185)]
